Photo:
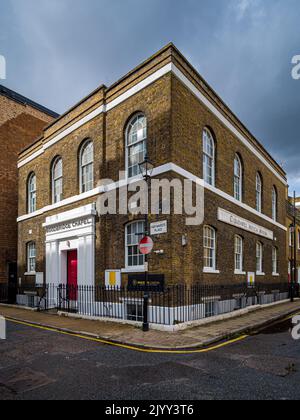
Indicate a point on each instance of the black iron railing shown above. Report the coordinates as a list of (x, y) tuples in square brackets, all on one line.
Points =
[(176, 305)]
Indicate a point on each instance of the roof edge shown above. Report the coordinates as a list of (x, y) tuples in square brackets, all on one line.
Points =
[(17, 97)]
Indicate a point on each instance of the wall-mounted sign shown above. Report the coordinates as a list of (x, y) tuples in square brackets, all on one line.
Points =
[(158, 228), (39, 279), (146, 245), (237, 221), (113, 279), (70, 225), (251, 279), (156, 282)]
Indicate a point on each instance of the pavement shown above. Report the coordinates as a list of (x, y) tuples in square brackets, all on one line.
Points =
[(45, 365), (197, 337)]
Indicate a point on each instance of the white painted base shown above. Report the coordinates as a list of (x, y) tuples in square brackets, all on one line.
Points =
[(225, 311)]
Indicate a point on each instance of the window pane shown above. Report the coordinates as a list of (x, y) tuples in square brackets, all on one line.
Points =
[(238, 253), (87, 167), (259, 256), (237, 179), (208, 157), (136, 144), (209, 248), (134, 233), (31, 257), (32, 194)]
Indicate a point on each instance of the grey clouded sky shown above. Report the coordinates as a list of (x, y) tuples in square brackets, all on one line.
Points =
[(57, 51)]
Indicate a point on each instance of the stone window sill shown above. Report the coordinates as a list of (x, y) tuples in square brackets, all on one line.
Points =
[(210, 271), (240, 273), (33, 273), (260, 274), (133, 270)]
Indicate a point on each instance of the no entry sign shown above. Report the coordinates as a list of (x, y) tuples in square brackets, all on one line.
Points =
[(146, 245)]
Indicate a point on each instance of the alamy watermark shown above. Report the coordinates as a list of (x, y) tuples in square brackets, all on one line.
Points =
[(155, 197), (296, 328), (296, 68), (2, 68)]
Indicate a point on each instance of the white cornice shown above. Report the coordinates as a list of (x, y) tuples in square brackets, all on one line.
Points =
[(169, 167), (224, 120), (139, 87)]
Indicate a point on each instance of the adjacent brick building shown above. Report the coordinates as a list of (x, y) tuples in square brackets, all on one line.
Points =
[(293, 238), (190, 134), (21, 120)]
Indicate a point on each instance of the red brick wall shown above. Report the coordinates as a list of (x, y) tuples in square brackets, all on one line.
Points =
[(19, 125)]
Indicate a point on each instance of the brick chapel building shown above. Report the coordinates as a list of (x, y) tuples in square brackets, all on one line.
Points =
[(21, 120), (165, 107)]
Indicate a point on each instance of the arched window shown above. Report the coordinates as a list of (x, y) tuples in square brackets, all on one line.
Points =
[(238, 179), (31, 193), (209, 243), (259, 193), (57, 180), (208, 157), (259, 258), (274, 204), (275, 260), (134, 233), (136, 144), (87, 166), (238, 253), (31, 257)]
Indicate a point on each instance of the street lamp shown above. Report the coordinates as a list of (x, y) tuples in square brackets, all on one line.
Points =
[(146, 168)]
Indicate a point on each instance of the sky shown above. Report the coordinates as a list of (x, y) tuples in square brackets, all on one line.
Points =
[(58, 51)]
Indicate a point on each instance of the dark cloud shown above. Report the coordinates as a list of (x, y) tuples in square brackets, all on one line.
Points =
[(57, 51)]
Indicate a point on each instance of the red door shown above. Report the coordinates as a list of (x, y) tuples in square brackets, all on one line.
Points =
[(72, 275)]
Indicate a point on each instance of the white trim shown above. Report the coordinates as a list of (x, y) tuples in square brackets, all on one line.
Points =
[(210, 271), (68, 231), (33, 273), (239, 273), (137, 88), (140, 86), (275, 274), (258, 273), (139, 269), (224, 120), (168, 167), (62, 135)]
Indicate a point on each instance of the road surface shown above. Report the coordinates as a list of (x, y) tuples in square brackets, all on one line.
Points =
[(39, 365)]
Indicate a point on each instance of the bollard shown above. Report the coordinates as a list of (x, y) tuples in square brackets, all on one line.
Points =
[(2, 328)]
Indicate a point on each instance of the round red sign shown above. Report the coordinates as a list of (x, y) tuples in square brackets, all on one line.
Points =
[(146, 245)]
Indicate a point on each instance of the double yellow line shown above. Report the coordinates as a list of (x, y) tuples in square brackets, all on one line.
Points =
[(128, 347)]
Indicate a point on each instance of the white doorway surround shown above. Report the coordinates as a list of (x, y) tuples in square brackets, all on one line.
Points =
[(68, 231)]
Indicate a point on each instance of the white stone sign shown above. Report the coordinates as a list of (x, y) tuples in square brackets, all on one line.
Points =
[(158, 228), (70, 225), (234, 220)]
